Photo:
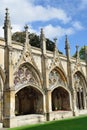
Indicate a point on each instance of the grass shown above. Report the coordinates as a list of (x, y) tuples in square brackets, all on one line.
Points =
[(79, 123)]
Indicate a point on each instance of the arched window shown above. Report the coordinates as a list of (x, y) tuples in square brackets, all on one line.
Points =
[(79, 86)]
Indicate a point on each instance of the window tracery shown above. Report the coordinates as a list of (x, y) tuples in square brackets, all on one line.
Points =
[(24, 75), (79, 89), (55, 78)]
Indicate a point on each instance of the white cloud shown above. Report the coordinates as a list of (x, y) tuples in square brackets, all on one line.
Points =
[(52, 32), (24, 11), (77, 25)]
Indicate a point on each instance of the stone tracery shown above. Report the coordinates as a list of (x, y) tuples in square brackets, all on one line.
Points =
[(25, 75), (79, 86), (55, 78)]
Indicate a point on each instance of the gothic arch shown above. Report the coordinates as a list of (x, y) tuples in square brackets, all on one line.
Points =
[(28, 100), (57, 78), (60, 99), (34, 86), (79, 84), (81, 75), (27, 74)]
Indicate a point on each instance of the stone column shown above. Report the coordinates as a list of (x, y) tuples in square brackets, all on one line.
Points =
[(75, 113), (48, 104), (8, 92), (80, 99)]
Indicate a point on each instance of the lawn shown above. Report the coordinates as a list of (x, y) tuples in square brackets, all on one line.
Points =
[(79, 123)]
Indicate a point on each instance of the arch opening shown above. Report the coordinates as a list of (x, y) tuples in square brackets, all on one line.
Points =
[(28, 100), (80, 90), (60, 99)]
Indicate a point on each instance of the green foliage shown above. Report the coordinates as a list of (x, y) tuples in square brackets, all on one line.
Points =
[(81, 53), (19, 37), (34, 40)]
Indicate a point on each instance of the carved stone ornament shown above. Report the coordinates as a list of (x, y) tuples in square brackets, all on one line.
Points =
[(54, 62), (55, 79), (24, 76), (78, 82), (76, 67), (27, 56)]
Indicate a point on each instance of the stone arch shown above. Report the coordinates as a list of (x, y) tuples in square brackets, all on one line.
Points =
[(28, 100), (79, 84), (60, 99), (29, 84), (57, 77), (27, 74)]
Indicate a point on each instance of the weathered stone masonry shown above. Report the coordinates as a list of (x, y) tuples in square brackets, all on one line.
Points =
[(37, 85)]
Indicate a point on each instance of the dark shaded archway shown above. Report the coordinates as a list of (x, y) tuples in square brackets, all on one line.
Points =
[(28, 101), (60, 99), (80, 89)]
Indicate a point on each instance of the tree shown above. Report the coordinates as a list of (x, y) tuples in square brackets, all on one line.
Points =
[(34, 40), (81, 53)]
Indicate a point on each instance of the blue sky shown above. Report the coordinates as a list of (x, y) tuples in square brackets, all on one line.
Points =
[(57, 17)]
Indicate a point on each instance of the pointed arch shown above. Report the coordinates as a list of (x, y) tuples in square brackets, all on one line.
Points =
[(80, 85), (57, 77), (27, 74), (60, 99), (28, 100)]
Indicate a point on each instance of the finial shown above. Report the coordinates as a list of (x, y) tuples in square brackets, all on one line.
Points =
[(77, 48), (27, 34), (7, 15), (66, 37), (7, 19), (66, 42), (26, 28), (67, 47), (42, 34), (77, 52), (55, 40)]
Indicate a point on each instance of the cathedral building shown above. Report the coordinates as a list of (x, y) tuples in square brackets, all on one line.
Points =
[(37, 85)]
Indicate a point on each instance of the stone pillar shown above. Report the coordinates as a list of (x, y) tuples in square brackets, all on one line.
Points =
[(45, 75), (44, 105), (75, 112), (69, 73), (48, 104), (8, 92), (80, 99)]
